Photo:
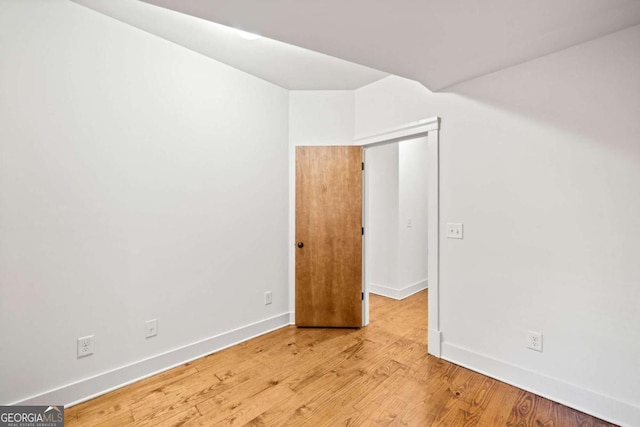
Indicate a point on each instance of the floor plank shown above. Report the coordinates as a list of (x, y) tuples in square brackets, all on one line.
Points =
[(378, 375)]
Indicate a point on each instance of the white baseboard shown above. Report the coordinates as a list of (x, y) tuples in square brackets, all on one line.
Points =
[(398, 294), (88, 388), (588, 401)]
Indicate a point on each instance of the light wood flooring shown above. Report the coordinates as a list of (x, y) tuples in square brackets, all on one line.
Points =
[(377, 375)]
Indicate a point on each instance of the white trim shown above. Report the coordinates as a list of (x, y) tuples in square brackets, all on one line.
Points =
[(365, 238), (401, 132), (434, 344), (599, 405), (398, 294), (431, 128), (364, 305), (88, 388), (433, 231)]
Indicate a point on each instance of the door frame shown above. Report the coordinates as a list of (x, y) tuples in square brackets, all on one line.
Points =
[(430, 128)]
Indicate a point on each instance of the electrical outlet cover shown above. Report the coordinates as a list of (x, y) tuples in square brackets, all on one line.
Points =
[(534, 340), (85, 346)]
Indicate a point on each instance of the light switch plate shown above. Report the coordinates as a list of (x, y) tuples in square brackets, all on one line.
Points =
[(454, 230), (151, 328)]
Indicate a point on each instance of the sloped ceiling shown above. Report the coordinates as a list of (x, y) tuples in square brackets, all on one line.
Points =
[(436, 42), (285, 65)]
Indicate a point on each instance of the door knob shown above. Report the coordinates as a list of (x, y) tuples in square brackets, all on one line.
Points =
[(300, 245)]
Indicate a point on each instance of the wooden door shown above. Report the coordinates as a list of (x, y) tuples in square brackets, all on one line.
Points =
[(329, 236)]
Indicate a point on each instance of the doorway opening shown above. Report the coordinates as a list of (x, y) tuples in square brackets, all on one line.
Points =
[(425, 132), (396, 215)]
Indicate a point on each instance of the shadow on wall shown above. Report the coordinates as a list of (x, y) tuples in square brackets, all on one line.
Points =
[(591, 90)]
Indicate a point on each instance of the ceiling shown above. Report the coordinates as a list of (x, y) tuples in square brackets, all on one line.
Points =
[(288, 66), (438, 43)]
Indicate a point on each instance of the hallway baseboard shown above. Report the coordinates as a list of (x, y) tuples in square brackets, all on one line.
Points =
[(398, 294)]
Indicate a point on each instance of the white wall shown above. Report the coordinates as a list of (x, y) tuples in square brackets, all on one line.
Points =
[(321, 117), (138, 180), (412, 197), (541, 162), (396, 253), (381, 228)]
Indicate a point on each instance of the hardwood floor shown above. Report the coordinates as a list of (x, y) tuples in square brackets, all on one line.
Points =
[(378, 375)]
